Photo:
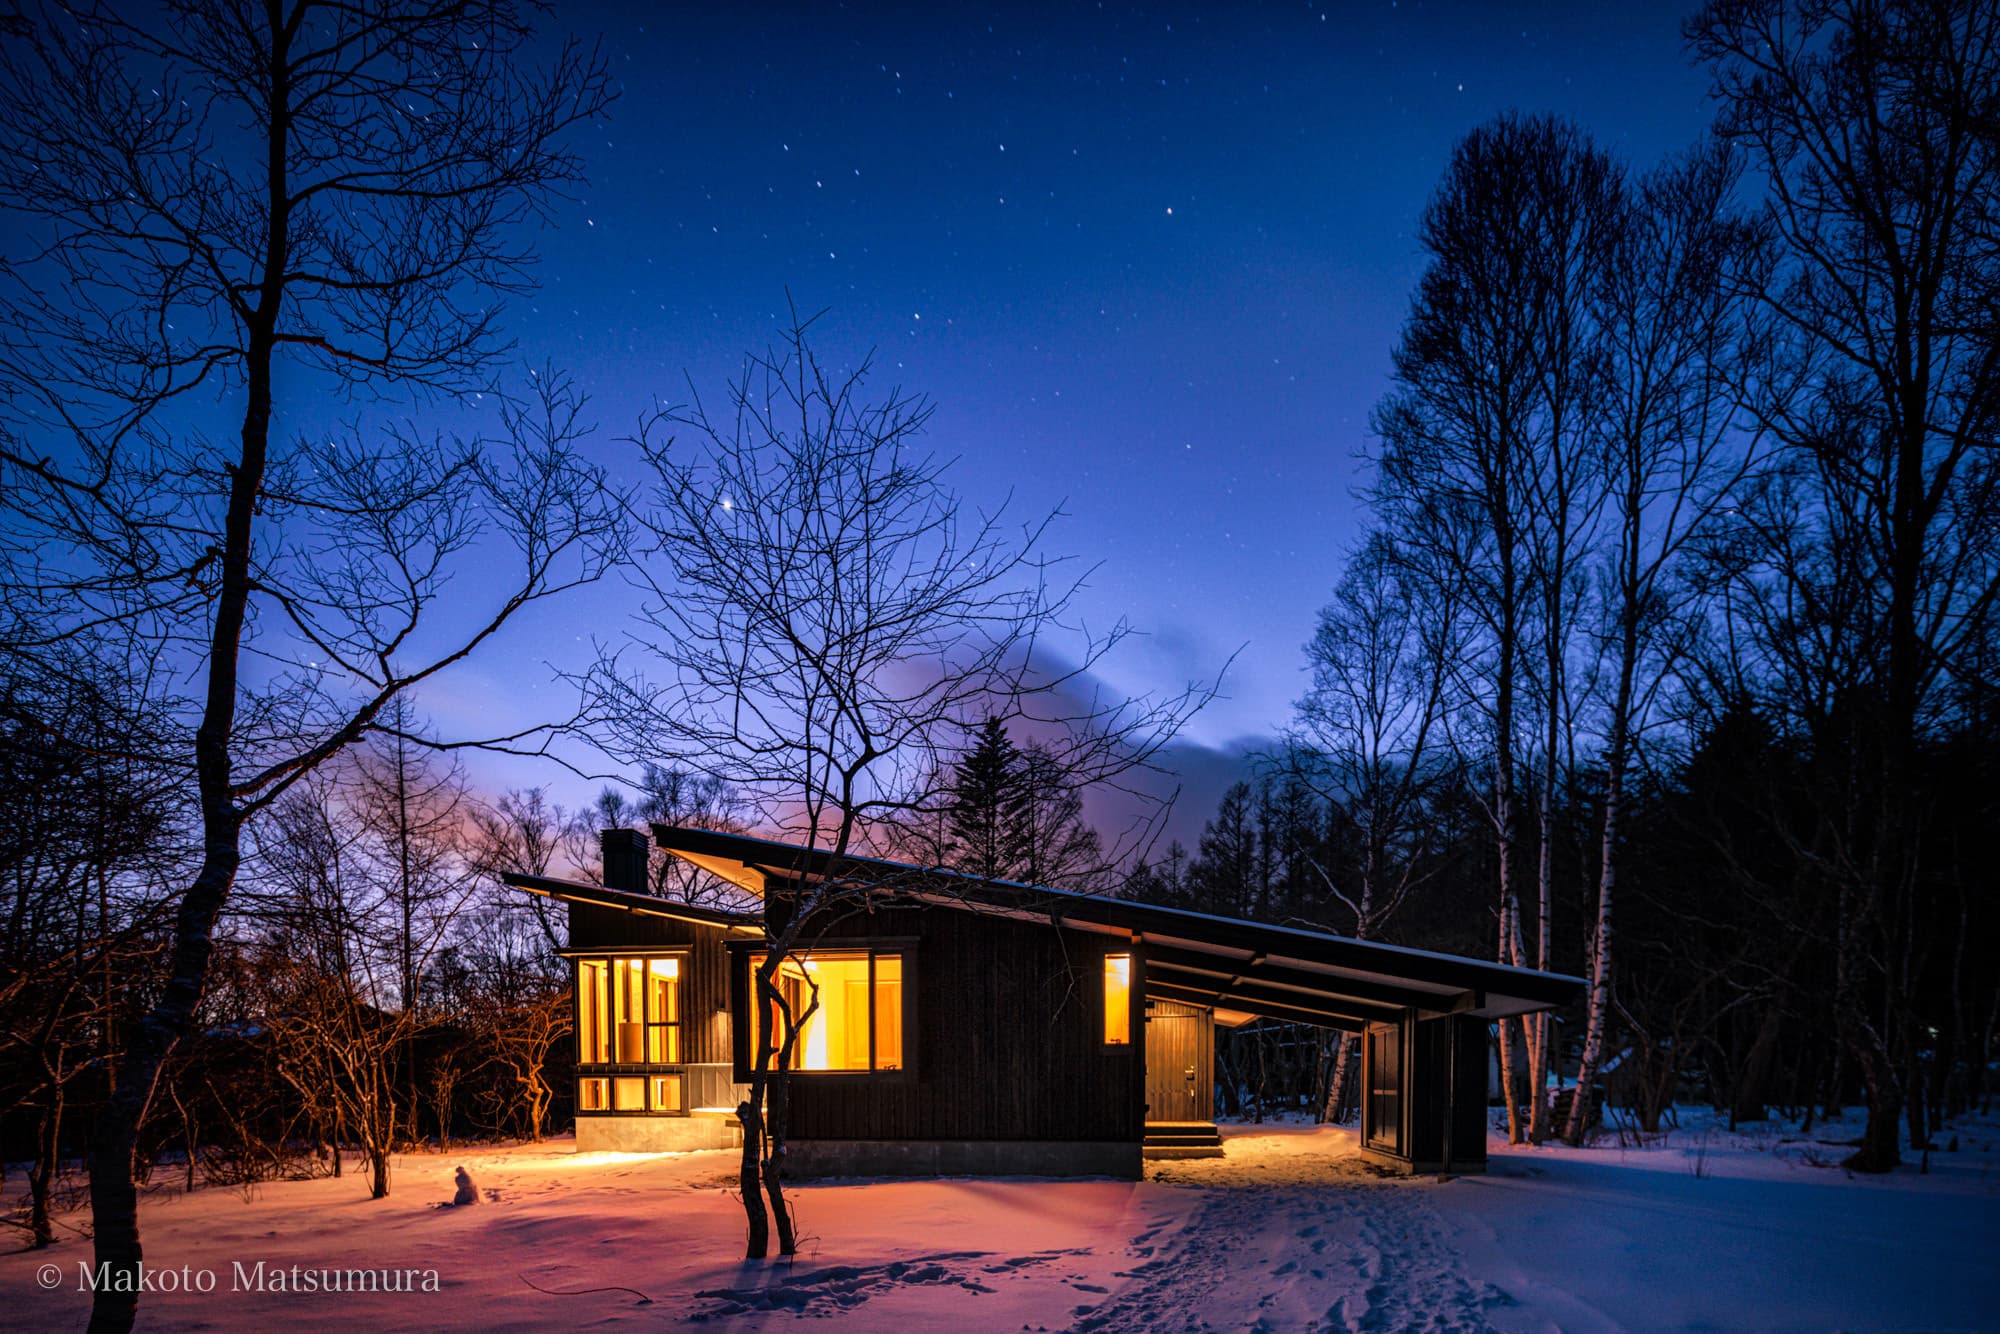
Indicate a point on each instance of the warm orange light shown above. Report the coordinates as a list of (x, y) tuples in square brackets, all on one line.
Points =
[(853, 999), (1118, 999)]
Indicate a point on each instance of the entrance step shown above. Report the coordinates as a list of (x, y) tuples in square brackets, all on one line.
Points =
[(1181, 1139)]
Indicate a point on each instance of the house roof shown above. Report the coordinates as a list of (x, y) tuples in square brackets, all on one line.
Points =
[(1253, 969), (650, 905)]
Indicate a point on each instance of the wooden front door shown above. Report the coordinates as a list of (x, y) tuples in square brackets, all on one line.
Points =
[(1180, 1062)]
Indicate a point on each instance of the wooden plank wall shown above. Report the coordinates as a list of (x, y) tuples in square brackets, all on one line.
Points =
[(1006, 1022), (1429, 1087)]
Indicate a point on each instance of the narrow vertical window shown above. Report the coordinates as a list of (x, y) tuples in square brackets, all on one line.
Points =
[(1117, 999), (663, 1011), (593, 1028), (888, 1012), (628, 994)]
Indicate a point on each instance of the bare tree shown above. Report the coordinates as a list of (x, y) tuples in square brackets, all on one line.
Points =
[(208, 195), (521, 832), (1482, 444), (85, 836), (1872, 128), (1674, 451), (413, 807), (833, 624), (367, 861), (1370, 734), (1580, 197)]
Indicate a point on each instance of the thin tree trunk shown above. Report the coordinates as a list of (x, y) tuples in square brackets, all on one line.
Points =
[(1343, 1069), (42, 1175), (1607, 881), (114, 1200), (749, 1182), (1510, 927), (1536, 1026)]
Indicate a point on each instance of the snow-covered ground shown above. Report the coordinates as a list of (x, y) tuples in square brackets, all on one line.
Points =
[(1291, 1230)]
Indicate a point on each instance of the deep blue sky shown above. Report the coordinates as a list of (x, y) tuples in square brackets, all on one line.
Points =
[(1149, 261)]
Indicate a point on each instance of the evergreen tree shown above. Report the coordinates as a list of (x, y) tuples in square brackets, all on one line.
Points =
[(1224, 877), (988, 814)]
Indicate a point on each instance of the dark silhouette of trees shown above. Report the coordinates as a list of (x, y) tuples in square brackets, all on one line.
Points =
[(1676, 448), (219, 204), (985, 806), (1862, 588), (86, 837), (1486, 479)]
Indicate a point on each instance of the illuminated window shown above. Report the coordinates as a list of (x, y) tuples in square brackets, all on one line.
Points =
[(593, 1011), (628, 1013), (1117, 999), (666, 1093), (628, 1094), (847, 1008)]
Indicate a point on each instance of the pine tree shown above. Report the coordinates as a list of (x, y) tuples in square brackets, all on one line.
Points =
[(988, 813)]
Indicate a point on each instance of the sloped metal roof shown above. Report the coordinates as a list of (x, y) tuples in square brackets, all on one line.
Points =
[(1255, 968)]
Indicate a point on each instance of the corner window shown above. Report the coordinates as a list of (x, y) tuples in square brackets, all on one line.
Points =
[(1117, 1000), (628, 1015), (847, 1006)]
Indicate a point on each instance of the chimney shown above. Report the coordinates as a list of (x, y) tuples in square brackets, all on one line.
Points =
[(625, 860)]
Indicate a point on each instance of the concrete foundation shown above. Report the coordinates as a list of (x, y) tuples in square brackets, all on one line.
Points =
[(656, 1134), (949, 1157)]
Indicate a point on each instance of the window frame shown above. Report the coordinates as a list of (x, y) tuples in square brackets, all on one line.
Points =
[(608, 1074), (1135, 1023), (743, 1016)]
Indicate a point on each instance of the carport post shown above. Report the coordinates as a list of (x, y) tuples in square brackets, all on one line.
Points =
[(1450, 1091)]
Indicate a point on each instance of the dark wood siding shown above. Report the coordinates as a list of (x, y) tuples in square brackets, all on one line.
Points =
[(1385, 1082), (704, 980), (1180, 1062), (1004, 1022), (1432, 1091)]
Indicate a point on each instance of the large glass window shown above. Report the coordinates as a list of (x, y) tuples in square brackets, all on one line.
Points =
[(628, 1013), (1118, 999), (846, 1005)]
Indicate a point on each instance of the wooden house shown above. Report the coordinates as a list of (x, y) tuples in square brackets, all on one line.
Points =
[(977, 1026)]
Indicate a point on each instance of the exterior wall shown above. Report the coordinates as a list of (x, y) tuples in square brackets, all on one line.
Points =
[(705, 1028), (1004, 1034), (1415, 1057)]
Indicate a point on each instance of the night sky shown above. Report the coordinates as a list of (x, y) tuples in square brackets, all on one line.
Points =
[(1150, 264)]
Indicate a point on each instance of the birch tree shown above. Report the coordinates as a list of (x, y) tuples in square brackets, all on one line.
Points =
[(1674, 450), (1370, 734), (1479, 446)]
